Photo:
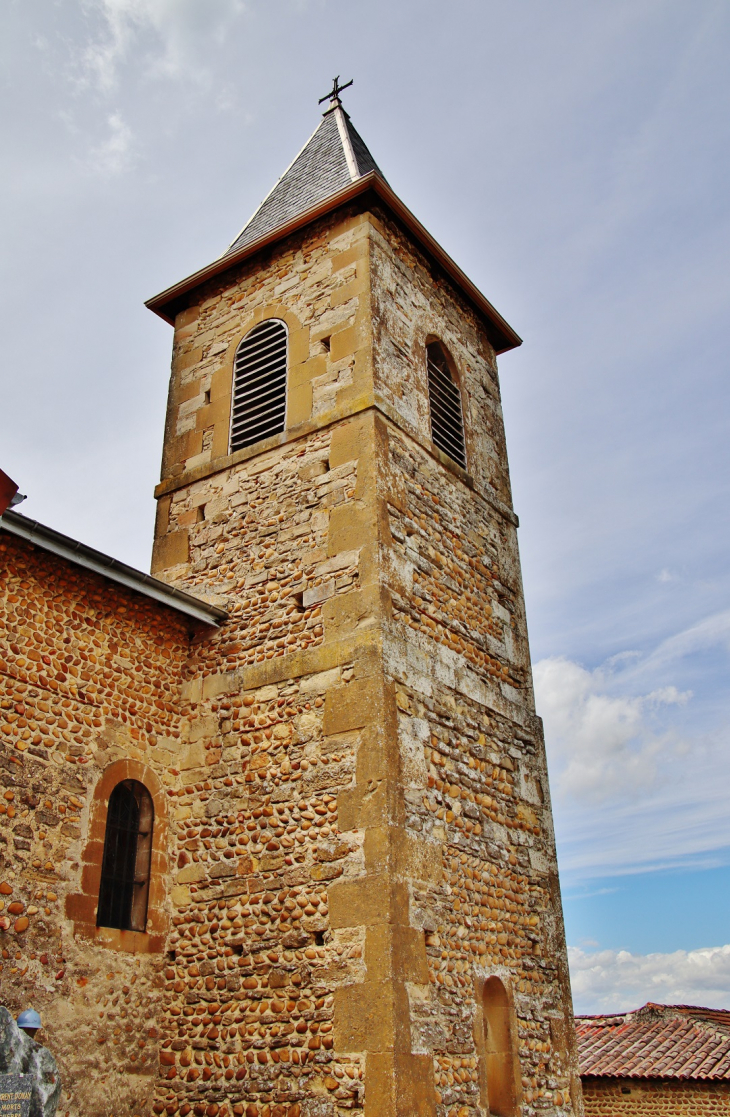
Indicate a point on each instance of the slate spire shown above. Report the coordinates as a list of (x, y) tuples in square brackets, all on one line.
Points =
[(333, 158)]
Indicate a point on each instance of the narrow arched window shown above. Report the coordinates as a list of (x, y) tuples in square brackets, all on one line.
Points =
[(502, 1062), (125, 870), (444, 397), (258, 408)]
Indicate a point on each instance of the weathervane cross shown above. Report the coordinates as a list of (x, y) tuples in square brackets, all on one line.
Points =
[(334, 94)]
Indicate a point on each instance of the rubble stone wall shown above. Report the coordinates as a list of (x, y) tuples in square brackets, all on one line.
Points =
[(412, 305), (349, 774), (482, 871), (317, 282), (90, 678), (630, 1097), (280, 700)]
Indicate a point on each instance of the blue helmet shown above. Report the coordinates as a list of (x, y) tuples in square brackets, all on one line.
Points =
[(29, 1019)]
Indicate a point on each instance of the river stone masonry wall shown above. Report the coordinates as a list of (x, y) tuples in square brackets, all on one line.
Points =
[(476, 813), (352, 820), (655, 1097), (90, 678), (377, 659)]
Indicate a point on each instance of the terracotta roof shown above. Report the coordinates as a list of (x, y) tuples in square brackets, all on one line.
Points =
[(656, 1041)]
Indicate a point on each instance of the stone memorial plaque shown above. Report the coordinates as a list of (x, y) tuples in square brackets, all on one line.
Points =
[(29, 1078), (16, 1091)]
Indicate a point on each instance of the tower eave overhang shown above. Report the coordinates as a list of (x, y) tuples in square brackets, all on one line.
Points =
[(501, 335)]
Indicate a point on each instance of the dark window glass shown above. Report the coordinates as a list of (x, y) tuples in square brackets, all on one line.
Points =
[(125, 871), (444, 397)]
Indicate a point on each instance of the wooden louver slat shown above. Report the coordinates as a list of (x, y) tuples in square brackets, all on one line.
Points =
[(447, 424), (259, 385)]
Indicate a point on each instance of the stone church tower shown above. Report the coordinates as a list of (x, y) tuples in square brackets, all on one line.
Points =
[(365, 897)]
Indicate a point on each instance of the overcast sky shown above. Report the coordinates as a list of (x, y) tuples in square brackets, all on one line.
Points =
[(573, 158)]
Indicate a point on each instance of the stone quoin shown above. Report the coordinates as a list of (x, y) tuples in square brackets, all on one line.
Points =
[(353, 901)]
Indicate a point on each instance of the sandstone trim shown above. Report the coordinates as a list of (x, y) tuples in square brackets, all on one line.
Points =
[(81, 906), (303, 430)]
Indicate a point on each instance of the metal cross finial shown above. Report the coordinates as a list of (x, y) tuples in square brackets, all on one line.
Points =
[(334, 95)]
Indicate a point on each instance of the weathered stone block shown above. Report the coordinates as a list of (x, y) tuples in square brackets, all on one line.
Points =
[(352, 706), (360, 902), (364, 1017), (170, 550)]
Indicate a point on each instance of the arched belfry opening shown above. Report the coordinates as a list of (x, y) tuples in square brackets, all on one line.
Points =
[(500, 1051), (258, 407), (444, 398), (125, 871)]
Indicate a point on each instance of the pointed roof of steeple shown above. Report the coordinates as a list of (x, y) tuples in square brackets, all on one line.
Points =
[(333, 168), (334, 157)]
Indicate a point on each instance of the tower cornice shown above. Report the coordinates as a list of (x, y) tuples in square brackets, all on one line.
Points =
[(503, 338)]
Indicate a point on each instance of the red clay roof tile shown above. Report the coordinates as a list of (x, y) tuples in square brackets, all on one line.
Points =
[(656, 1041)]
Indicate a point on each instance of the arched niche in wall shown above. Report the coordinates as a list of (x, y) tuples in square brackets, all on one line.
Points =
[(501, 1077)]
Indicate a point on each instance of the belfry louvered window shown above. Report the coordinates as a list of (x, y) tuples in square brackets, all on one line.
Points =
[(125, 868), (444, 397), (259, 385)]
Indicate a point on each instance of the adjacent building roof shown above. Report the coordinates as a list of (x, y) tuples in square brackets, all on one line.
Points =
[(333, 158), (333, 168), (656, 1041), (81, 555), (8, 492)]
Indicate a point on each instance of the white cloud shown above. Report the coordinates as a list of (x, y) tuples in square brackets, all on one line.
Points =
[(617, 981), (638, 767), (115, 154), (712, 632), (168, 34), (602, 745), (684, 824)]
